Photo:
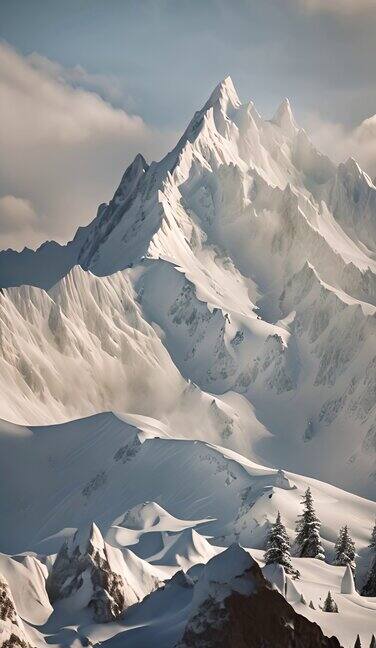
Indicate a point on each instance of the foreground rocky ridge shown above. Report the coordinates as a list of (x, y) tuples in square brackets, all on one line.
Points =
[(242, 609), (232, 604)]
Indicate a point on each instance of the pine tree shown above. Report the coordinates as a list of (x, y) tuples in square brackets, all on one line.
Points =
[(369, 588), (372, 544), (329, 604), (373, 640), (357, 643), (308, 529), (278, 547), (345, 549)]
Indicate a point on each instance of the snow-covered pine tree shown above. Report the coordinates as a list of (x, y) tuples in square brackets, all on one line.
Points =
[(357, 643), (369, 588), (278, 547), (308, 530), (345, 549), (373, 642), (329, 604)]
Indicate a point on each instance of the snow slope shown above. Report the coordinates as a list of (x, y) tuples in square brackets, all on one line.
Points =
[(162, 504), (104, 468)]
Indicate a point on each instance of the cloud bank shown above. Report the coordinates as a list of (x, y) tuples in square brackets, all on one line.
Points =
[(64, 147), (340, 143)]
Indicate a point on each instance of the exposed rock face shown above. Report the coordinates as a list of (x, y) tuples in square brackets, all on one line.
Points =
[(242, 610), (14, 641), (84, 563), (265, 619), (11, 631), (7, 609)]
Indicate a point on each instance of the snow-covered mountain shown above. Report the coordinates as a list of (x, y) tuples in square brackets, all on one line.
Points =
[(244, 261), (169, 375)]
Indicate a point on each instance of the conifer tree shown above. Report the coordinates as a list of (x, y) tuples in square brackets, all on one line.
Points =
[(373, 642), (369, 588), (345, 549), (278, 547), (357, 643), (308, 529), (372, 544), (329, 604)]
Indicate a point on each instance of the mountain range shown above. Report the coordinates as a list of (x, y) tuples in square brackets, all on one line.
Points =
[(171, 374)]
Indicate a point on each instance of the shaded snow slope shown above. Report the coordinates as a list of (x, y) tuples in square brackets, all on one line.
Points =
[(104, 468), (75, 349), (152, 533)]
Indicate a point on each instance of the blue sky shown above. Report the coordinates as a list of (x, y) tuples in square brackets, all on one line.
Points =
[(168, 54), (159, 60)]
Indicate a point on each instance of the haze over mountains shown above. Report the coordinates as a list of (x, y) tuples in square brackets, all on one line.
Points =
[(223, 306)]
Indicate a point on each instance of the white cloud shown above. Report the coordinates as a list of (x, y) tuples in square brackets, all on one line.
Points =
[(64, 147), (344, 7), (17, 216), (340, 143), (109, 87)]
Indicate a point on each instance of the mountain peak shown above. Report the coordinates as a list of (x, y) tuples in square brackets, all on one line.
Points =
[(139, 160), (231, 563), (224, 94), (351, 166), (85, 536), (132, 175), (285, 119)]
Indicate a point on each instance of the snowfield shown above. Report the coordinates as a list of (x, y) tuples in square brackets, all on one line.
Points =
[(186, 367), (160, 505)]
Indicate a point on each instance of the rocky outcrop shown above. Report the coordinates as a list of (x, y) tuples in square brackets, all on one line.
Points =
[(7, 608), (95, 575), (12, 634), (236, 607)]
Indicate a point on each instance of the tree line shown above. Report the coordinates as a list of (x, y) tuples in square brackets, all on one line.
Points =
[(309, 544)]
